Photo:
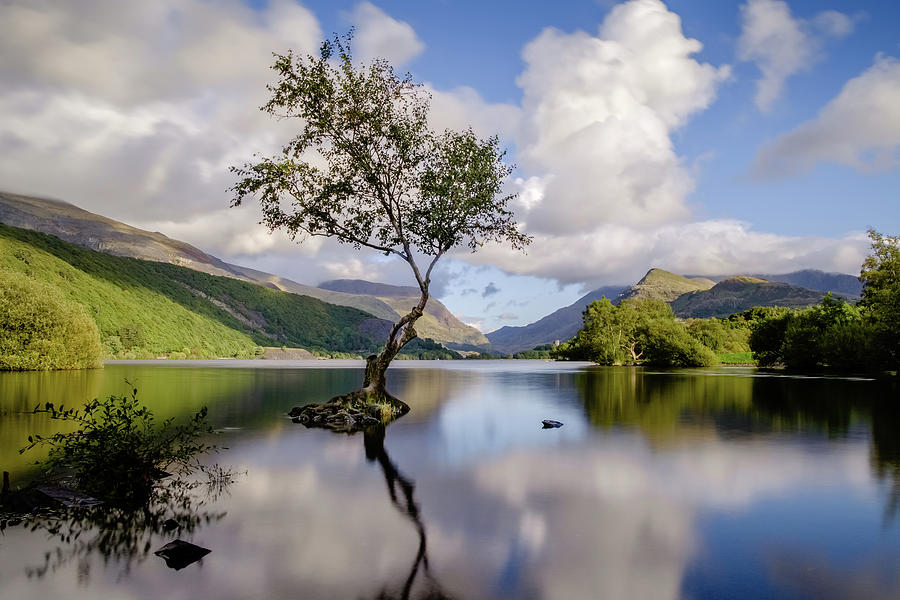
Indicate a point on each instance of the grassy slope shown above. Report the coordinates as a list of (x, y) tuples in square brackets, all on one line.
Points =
[(740, 293), (664, 285), (177, 308)]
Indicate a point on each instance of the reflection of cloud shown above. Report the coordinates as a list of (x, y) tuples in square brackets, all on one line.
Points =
[(817, 577)]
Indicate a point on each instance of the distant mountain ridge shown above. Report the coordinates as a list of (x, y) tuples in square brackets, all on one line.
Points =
[(559, 325), (359, 286), (562, 324), (689, 296), (438, 323), (736, 294), (102, 234), (663, 285), (811, 279)]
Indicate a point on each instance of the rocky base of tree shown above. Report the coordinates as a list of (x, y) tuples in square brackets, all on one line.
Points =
[(350, 413)]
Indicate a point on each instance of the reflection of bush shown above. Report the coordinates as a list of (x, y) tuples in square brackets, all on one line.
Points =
[(41, 330), (127, 535)]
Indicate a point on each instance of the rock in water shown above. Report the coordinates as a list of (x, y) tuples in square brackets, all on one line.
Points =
[(170, 524), (179, 554), (551, 424)]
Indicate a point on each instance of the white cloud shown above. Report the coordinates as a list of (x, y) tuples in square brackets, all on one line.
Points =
[(463, 107), (781, 45), (378, 35), (834, 23), (859, 128), (136, 111), (619, 253), (599, 112)]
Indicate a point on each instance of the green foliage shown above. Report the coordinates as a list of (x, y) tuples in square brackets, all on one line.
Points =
[(666, 343), (146, 309), (635, 332), (132, 336), (117, 452), (880, 276), (41, 330), (767, 338), (382, 179), (831, 335), (542, 352), (734, 358)]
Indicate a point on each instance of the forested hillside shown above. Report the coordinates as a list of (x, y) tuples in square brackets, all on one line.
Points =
[(145, 308)]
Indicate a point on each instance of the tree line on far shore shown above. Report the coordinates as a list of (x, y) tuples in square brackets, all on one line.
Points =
[(834, 335)]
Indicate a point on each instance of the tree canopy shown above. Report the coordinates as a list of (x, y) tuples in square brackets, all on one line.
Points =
[(367, 169), (880, 275), (41, 330), (641, 331)]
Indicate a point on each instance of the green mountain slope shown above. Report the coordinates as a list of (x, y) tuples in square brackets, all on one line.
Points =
[(740, 293), (664, 285), (152, 308), (96, 232)]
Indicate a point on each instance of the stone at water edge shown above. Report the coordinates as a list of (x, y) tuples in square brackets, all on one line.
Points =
[(551, 424)]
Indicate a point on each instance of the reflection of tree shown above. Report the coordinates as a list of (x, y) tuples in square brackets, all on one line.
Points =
[(125, 535), (406, 504), (667, 406), (886, 446), (661, 405)]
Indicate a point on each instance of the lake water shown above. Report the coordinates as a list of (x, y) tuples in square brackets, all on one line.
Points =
[(693, 484)]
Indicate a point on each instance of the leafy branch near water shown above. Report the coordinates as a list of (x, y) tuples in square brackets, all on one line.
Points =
[(118, 453)]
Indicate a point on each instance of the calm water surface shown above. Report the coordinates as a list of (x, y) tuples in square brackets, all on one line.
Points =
[(693, 484)]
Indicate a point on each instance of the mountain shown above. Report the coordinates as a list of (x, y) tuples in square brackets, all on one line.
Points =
[(813, 279), (437, 323), (148, 308), (359, 286), (689, 297), (740, 293), (843, 284), (89, 230), (664, 285), (561, 325)]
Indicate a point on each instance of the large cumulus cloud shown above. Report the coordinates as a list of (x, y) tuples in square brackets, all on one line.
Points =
[(136, 111)]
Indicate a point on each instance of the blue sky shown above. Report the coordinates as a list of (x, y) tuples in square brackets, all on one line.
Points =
[(772, 148)]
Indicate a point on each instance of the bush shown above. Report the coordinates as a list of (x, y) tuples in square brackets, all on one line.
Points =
[(41, 330), (667, 344), (117, 453)]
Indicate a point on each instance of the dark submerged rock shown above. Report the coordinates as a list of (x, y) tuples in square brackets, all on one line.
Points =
[(41, 497), (551, 424), (179, 554)]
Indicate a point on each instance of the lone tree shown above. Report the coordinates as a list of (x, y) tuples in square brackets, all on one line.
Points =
[(367, 169)]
